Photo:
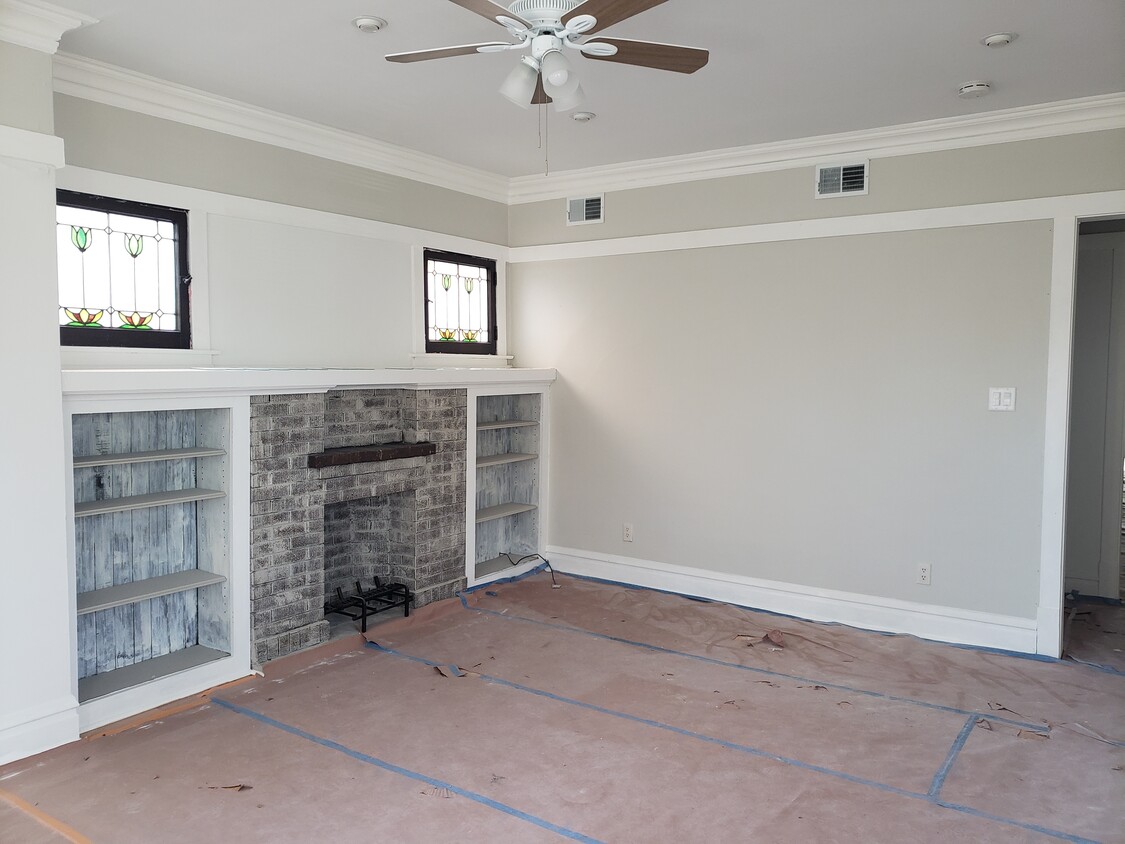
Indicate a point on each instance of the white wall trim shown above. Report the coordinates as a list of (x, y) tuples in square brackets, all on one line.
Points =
[(38, 25), (33, 147), (114, 86), (32, 732), (945, 624), (1087, 114), (1012, 211)]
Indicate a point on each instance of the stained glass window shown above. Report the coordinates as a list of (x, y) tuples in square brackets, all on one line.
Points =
[(460, 303), (123, 278)]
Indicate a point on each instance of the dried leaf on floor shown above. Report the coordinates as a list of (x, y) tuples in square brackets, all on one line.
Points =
[(239, 787), (815, 688), (999, 707), (984, 725), (452, 672), (1031, 734), (769, 683), (844, 703)]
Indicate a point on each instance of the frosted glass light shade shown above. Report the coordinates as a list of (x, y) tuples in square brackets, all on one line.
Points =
[(567, 101), (519, 87), (556, 70)]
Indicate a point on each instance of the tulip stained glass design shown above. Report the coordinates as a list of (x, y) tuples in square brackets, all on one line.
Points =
[(116, 271), (458, 302)]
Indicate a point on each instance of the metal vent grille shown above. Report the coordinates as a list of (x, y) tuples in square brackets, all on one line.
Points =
[(841, 179), (584, 209)]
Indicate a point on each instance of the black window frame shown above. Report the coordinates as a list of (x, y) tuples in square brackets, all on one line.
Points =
[(125, 337), (455, 347)]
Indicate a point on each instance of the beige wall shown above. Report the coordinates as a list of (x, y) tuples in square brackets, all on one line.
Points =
[(1071, 164), (809, 412), (25, 89), (100, 137)]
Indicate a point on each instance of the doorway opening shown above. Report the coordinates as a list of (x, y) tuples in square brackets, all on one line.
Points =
[(1094, 565)]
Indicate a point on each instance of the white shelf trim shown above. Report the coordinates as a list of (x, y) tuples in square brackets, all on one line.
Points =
[(143, 590), (501, 459), (506, 423), (500, 511), (145, 456), (139, 502), (100, 685)]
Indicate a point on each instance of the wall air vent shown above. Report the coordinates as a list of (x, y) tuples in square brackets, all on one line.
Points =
[(841, 179), (584, 209)]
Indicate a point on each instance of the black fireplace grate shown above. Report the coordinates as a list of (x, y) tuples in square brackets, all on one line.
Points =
[(367, 602)]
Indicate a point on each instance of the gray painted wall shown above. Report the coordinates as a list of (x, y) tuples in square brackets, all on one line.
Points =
[(810, 412), (101, 137), (26, 105), (286, 296), (1048, 167)]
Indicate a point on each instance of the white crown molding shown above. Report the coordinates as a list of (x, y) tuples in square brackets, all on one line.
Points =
[(1088, 114), (114, 86), (30, 23), (104, 83), (33, 147)]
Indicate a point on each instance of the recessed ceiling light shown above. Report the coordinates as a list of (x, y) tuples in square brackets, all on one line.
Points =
[(369, 23), (972, 90), (999, 39), (583, 116)]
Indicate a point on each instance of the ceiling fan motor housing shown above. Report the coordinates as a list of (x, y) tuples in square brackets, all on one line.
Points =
[(541, 12)]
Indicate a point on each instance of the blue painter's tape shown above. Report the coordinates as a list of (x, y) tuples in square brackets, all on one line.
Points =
[(648, 722), (414, 775), (764, 671), (1042, 830), (947, 766), (930, 798)]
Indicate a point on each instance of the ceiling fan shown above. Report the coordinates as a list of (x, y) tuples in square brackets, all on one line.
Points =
[(550, 27)]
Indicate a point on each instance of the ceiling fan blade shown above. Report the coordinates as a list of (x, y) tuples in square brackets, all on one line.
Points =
[(490, 10), (651, 54), (540, 96), (443, 52), (609, 12)]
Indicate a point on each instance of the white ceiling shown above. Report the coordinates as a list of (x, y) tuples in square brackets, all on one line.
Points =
[(779, 69)]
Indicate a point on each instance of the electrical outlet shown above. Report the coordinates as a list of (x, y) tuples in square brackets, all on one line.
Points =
[(924, 574), (627, 532)]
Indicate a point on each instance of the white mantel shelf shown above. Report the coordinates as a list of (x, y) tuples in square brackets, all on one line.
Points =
[(214, 380)]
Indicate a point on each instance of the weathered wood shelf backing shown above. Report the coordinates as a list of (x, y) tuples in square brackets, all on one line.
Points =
[(501, 511), (500, 459), (506, 423), (142, 590), (100, 685), (145, 456), (369, 454), (139, 502)]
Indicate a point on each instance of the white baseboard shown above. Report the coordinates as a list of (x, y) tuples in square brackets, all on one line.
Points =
[(39, 734), (155, 693), (943, 624)]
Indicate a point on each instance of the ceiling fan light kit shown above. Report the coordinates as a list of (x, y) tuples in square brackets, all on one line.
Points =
[(547, 28)]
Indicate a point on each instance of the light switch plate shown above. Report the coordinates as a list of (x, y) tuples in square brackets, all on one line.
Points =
[(1002, 399)]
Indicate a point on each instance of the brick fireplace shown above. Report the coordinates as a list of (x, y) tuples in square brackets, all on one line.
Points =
[(313, 529)]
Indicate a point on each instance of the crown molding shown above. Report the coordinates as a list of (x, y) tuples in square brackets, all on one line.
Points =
[(30, 23), (104, 83), (114, 86), (1088, 114)]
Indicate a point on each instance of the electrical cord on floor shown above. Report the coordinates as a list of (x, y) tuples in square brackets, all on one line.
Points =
[(526, 557)]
